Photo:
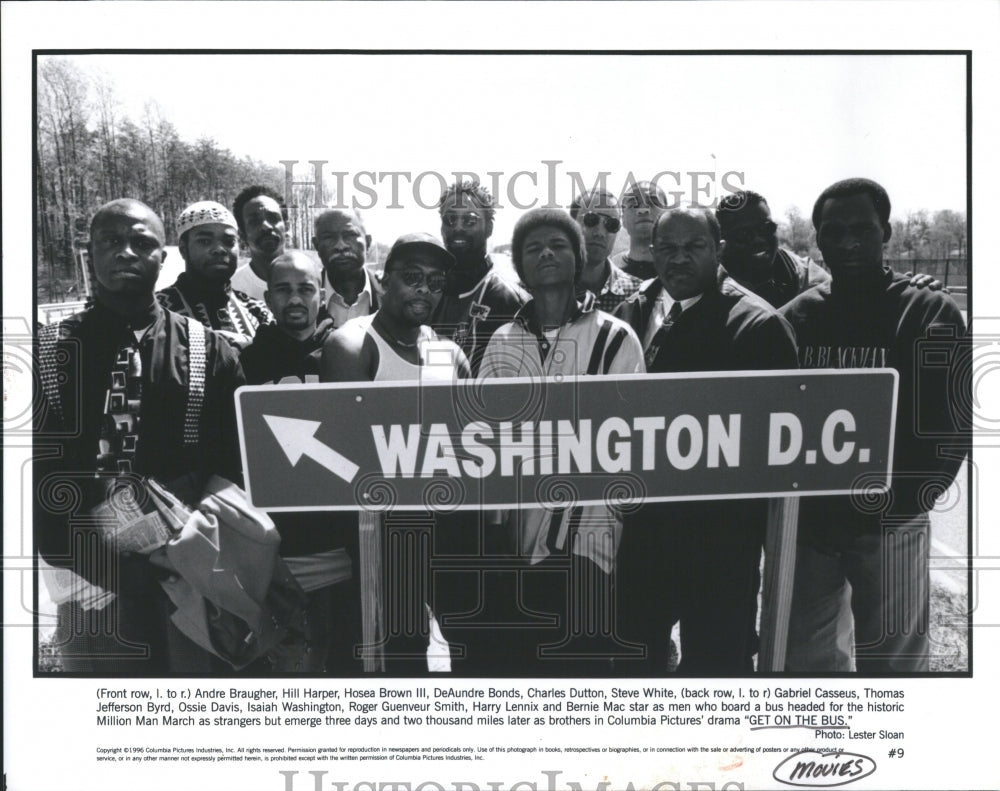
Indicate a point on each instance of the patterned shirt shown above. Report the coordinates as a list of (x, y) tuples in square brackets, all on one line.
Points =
[(618, 287), (232, 313)]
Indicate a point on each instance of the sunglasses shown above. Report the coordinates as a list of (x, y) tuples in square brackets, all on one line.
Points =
[(748, 234), (611, 224), (466, 220), (414, 278)]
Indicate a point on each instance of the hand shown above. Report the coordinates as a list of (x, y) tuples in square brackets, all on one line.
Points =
[(926, 281)]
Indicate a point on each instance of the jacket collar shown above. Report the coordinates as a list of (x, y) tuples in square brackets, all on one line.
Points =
[(526, 315)]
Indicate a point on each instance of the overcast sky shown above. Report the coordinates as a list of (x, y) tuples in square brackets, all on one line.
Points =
[(791, 124)]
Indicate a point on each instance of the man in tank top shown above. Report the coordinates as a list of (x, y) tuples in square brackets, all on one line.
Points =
[(395, 344)]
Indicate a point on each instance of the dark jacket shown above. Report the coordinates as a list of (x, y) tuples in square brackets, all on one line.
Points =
[(66, 439), (275, 356), (470, 318), (880, 321), (728, 329)]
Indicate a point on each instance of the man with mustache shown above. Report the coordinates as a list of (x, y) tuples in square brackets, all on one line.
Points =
[(208, 244), (597, 214), (260, 218), (319, 549), (696, 562), (395, 344), (478, 299), (128, 389), (289, 348), (642, 203), (340, 239)]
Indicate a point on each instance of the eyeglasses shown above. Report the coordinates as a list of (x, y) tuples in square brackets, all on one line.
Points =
[(747, 234), (467, 220), (414, 278), (611, 224)]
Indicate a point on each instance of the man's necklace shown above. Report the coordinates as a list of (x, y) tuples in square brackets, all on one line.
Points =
[(396, 340)]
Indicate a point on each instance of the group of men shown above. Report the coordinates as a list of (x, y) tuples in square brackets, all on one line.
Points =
[(144, 387)]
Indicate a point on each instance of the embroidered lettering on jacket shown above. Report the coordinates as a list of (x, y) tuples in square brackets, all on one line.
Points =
[(843, 357)]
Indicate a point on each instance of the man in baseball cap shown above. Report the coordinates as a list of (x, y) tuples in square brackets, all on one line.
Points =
[(395, 344), (208, 241)]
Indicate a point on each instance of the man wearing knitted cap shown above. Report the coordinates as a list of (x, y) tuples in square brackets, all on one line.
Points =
[(208, 243), (568, 555)]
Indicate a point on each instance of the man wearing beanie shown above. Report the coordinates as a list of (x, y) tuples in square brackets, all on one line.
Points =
[(478, 299), (568, 555), (208, 243)]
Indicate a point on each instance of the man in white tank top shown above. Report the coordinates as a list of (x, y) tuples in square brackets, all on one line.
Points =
[(392, 344), (395, 344)]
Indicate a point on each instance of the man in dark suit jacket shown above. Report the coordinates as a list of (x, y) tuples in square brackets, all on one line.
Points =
[(696, 562)]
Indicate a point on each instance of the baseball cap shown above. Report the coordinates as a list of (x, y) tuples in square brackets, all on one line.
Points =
[(423, 242)]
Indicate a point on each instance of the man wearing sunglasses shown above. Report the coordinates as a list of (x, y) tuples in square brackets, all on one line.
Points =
[(479, 298), (390, 344), (596, 212), (395, 344), (753, 258), (642, 204)]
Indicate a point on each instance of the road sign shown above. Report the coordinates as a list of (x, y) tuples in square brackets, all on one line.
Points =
[(504, 443)]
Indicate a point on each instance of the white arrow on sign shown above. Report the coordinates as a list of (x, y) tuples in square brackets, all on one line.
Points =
[(296, 439)]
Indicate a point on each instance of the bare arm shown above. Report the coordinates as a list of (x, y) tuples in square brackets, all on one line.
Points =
[(348, 356)]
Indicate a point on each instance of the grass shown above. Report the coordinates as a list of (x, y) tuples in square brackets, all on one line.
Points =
[(949, 627)]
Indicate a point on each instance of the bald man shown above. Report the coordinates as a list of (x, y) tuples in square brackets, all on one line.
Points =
[(319, 549), (129, 390), (288, 351)]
